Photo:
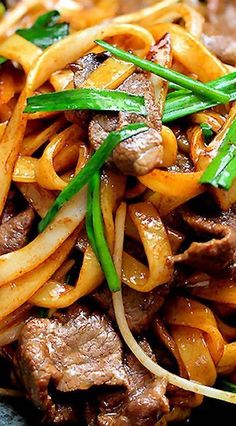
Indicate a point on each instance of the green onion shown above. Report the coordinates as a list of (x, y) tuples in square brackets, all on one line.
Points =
[(89, 217), (102, 250), (95, 99), (207, 131), (182, 103), (173, 86), (228, 386), (221, 172), (228, 175), (2, 9), (195, 86), (92, 166), (45, 31)]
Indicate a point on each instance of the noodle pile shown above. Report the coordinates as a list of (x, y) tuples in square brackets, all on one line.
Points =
[(41, 152)]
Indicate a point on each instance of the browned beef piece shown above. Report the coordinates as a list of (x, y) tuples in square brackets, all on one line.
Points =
[(140, 308), (142, 404), (216, 251), (220, 29), (14, 232), (140, 154), (85, 65), (10, 208), (82, 69), (75, 352)]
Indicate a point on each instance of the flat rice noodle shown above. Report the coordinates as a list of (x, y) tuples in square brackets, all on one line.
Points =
[(11, 18), (170, 147), (217, 290), (15, 264), (214, 119), (63, 270), (157, 248), (35, 140), (188, 312), (130, 229), (46, 175), (51, 60), (225, 199), (228, 332), (72, 155), (7, 86), (15, 316), (38, 198), (112, 192), (9, 148), (173, 183), (203, 154), (109, 75), (184, 46), (18, 49), (164, 336), (145, 13), (193, 21), (84, 154), (61, 80), (228, 360), (195, 354), (58, 295), (166, 204), (100, 11), (77, 44), (16, 293), (12, 324), (2, 129), (25, 169), (134, 274)]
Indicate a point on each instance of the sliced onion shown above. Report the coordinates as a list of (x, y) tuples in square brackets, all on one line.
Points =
[(156, 369)]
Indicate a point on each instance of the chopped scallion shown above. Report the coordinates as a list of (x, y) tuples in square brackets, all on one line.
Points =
[(2, 9), (2, 60), (92, 166), (221, 172), (181, 103), (46, 30), (99, 239), (86, 98), (195, 86), (89, 217), (207, 131), (228, 386)]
